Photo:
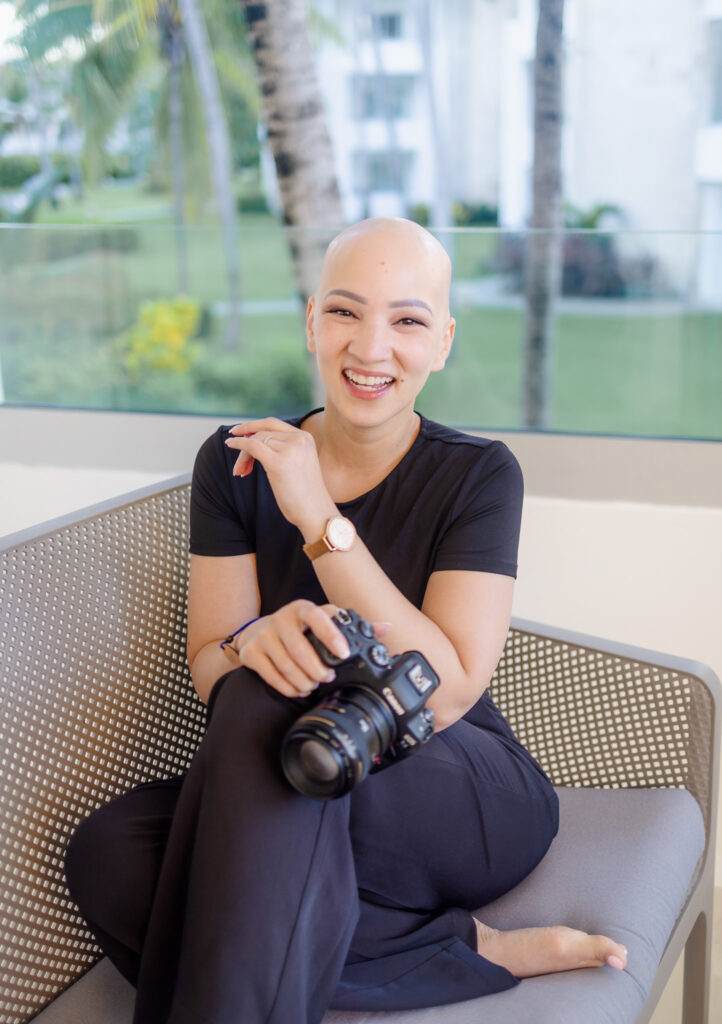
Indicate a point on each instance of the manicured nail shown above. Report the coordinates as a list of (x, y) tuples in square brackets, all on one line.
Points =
[(615, 962), (342, 649), (329, 677)]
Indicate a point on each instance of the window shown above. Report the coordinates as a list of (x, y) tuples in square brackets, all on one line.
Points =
[(381, 96), (381, 171), (716, 69), (387, 26)]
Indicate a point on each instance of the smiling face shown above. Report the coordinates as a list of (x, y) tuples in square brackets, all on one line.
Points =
[(379, 322)]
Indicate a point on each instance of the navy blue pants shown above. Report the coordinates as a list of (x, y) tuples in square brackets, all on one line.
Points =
[(226, 897)]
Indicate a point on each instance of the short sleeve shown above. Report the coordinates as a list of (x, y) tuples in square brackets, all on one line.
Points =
[(217, 525), (483, 531)]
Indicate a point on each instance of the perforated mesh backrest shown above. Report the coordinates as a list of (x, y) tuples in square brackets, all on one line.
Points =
[(597, 718), (96, 698)]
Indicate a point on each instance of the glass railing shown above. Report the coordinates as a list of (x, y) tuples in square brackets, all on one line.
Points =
[(114, 317)]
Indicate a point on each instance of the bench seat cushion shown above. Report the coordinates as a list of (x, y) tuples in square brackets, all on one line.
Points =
[(620, 865)]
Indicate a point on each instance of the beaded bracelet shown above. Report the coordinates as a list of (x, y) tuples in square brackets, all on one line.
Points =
[(225, 643)]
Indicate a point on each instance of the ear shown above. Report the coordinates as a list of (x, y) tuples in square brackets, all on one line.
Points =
[(310, 335), (446, 343)]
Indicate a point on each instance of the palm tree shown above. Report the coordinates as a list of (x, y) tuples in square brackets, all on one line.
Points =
[(172, 44), (543, 247), (117, 48), (220, 149), (298, 135)]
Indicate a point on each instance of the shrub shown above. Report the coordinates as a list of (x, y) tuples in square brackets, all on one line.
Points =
[(421, 213), (591, 267), (161, 339), (260, 383), (15, 170), (475, 214), (252, 202)]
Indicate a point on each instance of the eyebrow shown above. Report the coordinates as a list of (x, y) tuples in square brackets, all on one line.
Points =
[(392, 305)]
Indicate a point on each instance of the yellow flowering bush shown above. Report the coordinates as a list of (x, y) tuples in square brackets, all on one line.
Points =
[(161, 338)]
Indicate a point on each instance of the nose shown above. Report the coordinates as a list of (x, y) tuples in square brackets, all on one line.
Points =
[(371, 342)]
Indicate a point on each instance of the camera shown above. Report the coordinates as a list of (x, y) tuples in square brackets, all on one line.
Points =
[(377, 715)]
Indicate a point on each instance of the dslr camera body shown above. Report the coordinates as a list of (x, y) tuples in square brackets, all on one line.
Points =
[(374, 716)]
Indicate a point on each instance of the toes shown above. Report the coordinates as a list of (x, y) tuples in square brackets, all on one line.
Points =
[(609, 952)]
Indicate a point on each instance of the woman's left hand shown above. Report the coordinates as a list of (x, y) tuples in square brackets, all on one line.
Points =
[(290, 460)]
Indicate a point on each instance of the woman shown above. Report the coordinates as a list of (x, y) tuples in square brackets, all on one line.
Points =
[(224, 895)]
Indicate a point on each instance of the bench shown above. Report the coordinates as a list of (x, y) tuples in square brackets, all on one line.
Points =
[(96, 698)]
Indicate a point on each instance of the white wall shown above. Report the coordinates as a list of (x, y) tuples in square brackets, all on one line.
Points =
[(649, 575)]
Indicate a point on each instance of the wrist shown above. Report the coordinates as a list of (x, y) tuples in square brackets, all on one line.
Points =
[(314, 525)]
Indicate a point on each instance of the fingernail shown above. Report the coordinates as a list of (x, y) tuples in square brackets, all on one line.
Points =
[(615, 962), (329, 677), (342, 649)]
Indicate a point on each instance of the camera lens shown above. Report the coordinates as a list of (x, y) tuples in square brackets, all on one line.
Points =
[(318, 761), (330, 749)]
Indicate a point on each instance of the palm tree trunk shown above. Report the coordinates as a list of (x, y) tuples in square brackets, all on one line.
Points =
[(441, 210), (298, 136), (219, 145), (544, 241), (173, 47)]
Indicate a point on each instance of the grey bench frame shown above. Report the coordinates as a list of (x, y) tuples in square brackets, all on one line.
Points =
[(96, 698)]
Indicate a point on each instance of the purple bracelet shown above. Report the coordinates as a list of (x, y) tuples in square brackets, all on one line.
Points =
[(229, 638)]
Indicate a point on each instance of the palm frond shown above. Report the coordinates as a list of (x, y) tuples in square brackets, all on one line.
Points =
[(238, 76), (49, 28), (101, 88), (324, 30)]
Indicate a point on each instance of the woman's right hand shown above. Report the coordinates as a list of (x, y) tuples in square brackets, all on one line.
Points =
[(278, 651)]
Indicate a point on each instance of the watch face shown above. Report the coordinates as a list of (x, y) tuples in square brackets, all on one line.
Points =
[(341, 533)]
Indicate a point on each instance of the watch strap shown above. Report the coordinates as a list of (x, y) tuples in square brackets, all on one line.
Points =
[(316, 548)]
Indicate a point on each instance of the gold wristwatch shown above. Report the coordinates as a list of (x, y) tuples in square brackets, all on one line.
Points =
[(339, 535)]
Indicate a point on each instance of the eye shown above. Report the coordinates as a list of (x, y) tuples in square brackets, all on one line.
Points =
[(410, 321), (346, 313)]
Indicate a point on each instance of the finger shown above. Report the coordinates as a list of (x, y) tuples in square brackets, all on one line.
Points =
[(243, 465), (319, 622), (292, 670), (270, 675), (253, 426), (250, 449), (301, 651), (381, 628)]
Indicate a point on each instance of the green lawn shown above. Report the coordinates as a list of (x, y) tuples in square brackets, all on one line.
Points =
[(655, 375), (64, 298)]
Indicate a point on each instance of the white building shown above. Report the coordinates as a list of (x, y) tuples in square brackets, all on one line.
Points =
[(429, 116)]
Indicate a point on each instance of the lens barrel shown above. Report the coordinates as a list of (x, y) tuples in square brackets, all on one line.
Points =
[(330, 749)]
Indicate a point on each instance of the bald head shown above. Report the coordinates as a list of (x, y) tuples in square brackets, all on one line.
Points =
[(400, 252)]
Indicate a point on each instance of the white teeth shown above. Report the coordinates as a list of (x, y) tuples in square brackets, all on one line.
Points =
[(362, 381)]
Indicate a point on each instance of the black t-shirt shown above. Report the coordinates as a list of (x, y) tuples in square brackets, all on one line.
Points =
[(453, 502)]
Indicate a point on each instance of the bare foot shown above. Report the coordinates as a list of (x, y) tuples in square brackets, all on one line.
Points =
[(527, 952)]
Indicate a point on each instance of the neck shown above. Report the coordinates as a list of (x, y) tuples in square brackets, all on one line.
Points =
[(363, 452)]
